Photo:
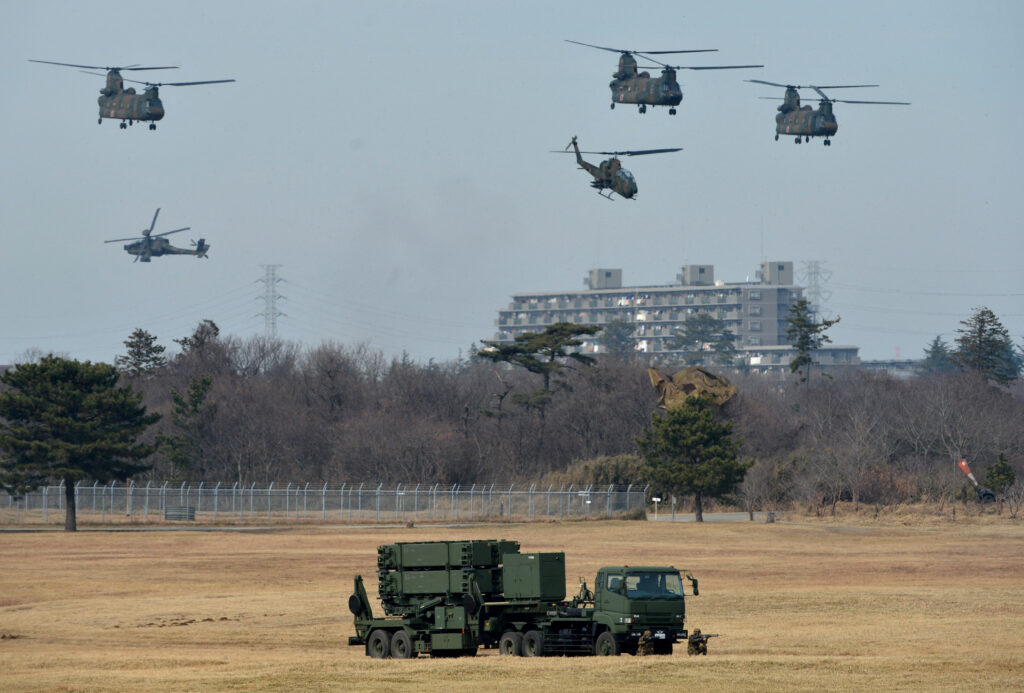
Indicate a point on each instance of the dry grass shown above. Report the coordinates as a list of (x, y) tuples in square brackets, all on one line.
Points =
[(880, 605)]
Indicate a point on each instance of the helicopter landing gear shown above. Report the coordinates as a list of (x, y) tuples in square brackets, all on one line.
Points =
[(807, 139), (643, 108), (612, 106), (152, 126), (776, 137), (124, 125), (828, 143), (798, 140), (99, 121), (671, 111)]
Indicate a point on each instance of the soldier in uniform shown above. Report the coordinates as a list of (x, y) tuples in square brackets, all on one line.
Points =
[(645, 645), (696, 644)]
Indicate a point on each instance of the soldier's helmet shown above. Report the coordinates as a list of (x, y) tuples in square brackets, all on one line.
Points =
[(647, 633), (696, 631)]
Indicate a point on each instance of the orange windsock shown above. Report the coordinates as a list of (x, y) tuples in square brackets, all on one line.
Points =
[(967, 470)]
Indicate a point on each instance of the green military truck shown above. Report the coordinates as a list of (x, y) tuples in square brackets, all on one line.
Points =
[(449, 598)]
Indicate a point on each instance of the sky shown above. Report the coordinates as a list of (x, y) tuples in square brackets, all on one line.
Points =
[(393, 159)]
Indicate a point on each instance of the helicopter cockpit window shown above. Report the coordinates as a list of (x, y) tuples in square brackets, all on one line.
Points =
[(625, 175)]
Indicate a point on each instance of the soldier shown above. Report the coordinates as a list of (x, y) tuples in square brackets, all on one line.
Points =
[(696, 644), (645, 645)]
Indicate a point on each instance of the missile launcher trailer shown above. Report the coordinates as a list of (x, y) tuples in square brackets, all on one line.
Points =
[(448, 598)]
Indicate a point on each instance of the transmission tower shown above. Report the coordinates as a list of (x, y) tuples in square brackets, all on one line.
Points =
[(270, 298), (814, 278)]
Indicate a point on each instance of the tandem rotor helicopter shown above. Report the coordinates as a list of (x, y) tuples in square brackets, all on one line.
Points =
[(629, 86), (609, 174), (806, 122), (148, 245), (126, 105)]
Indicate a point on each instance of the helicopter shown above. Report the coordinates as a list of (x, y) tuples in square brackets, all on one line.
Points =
[(629, 86), (805, 122), (125, 104), (609, 174), (147, 245)]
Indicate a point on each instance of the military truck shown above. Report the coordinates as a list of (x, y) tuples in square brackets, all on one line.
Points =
[(449, 598)]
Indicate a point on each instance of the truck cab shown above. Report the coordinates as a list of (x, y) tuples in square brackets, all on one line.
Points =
[(631, 599)]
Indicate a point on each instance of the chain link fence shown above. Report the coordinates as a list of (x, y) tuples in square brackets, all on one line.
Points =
[(348, 503)]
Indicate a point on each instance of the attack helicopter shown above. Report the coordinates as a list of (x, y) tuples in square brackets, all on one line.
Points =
[(126, 105), (806, 122), (609, 174), (148, 245), (629, 86)]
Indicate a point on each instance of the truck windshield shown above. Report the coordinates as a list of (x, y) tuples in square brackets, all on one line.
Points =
[(654, 586)]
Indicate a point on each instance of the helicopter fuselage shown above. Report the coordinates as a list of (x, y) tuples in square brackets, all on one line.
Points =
[(804, 121), (630, 86), (155, 247), (122, 104), (609, 175)]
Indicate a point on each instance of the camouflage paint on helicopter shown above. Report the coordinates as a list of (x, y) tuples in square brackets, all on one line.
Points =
[(805, 122), (609, 174), (148, 246), (630, 86), (127, 105)]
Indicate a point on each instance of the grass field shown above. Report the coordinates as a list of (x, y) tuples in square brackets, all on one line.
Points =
[(877, 606)]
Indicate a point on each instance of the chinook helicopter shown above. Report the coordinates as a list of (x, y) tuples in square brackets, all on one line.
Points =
[(125, 104), (148, 245), (609, 174), (806, 122), (629, 86)]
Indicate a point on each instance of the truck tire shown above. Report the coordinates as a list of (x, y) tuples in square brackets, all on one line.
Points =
[(605, 645), (533, 643), (401, 645), (511, 643), (378, 645), (355, 605)]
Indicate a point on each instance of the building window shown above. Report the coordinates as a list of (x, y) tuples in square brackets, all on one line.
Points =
[(755, 295), (755, 310), (755, 325), (754, 341)]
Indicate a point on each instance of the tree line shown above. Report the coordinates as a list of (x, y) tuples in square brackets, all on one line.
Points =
[(267, 410)]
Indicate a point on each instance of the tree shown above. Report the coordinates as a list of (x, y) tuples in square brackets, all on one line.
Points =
[(617, 339), (65, 420), (701, 334), (938, 359), (984, 346), (1000, 475), (807, 336), (144, 356), (191, 415), (544, 353), (689, 450)]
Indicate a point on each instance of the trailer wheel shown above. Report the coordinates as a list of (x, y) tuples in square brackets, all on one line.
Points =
[(511, 643), (605, 645), (533, 644), (378, 646), (401, 645)]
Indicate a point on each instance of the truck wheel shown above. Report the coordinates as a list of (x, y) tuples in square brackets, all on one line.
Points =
[(605, 645), (401, 645), (533, 644), (355, 605), (379, 644), (511, 643)]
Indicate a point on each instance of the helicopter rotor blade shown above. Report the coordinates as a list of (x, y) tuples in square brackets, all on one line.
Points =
[(703, 67), (152, 223), (889, 103), (641, 152), (133, 238), (810, 86), (108, 68), (168, 233), (621, 50)]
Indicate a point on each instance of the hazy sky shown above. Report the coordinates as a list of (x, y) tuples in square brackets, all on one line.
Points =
[(393, 158)]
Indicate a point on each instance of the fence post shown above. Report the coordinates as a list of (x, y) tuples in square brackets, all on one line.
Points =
[(216, 498), (510, 501), (323, 502), (268, 498), (398, 494), (130, 490), (234, 498), (46, 513), (608, 501), (199, 497), (341, 503), (629, 498), (94, 485), (415, 502), (359, 500)]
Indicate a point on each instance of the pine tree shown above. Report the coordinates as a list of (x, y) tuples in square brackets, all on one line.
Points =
[(617, 339), (807, 336), (144, 356), (544, 353), (191, 416), (937, 359), (984, 346), (64, 421), (689, 450), (703, 336)]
